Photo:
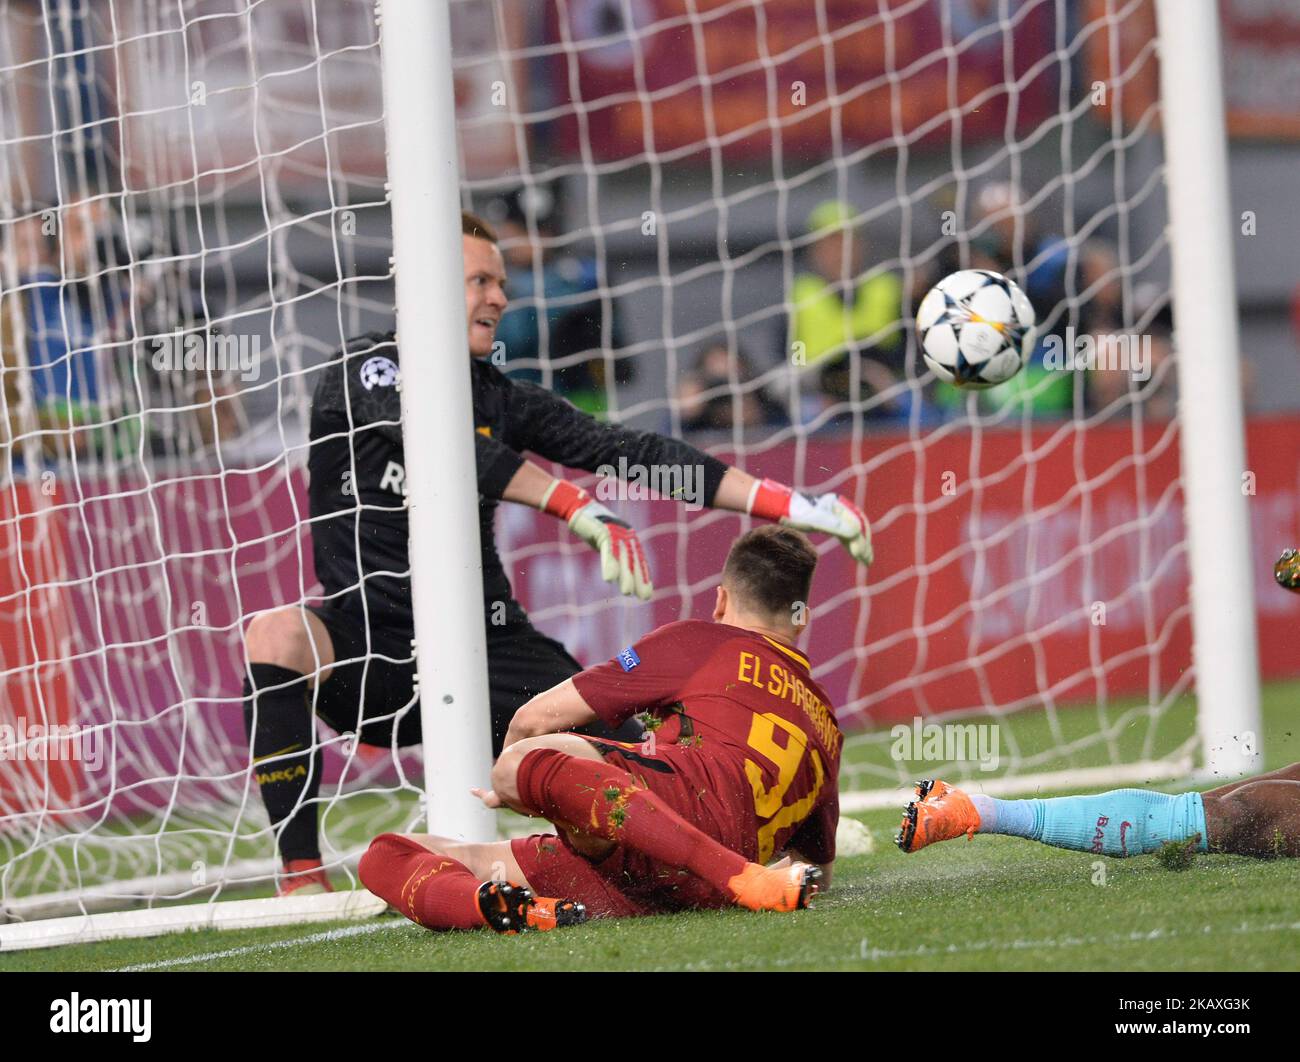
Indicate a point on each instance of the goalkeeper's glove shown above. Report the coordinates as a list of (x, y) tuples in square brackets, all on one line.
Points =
[(830, 514), (622, 558)]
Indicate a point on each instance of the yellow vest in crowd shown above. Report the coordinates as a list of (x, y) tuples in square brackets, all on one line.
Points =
[(826, 327)]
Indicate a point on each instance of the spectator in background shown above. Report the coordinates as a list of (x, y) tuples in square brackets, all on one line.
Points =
[(1295, 315), (69, 324), (719, 393), (1157, 395), (62, 318), (1100, 287), (187, 413), (1003, 222), (1003, 225), (844, 319), (567, 300)]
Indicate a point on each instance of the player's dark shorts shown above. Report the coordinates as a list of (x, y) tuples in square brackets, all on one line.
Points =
[(370, 691), (626, 882)]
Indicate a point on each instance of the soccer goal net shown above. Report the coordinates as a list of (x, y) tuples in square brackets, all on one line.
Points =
[(718, 218)]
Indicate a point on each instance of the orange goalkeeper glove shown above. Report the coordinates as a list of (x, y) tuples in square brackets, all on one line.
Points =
[(829, 514), (622, 558)]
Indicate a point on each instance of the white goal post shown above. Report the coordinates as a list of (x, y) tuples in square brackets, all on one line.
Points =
[(1064, 568), (437, 415), (1209, 377)]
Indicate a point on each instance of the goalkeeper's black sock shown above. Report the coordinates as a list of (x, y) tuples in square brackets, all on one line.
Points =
[(287, 771)]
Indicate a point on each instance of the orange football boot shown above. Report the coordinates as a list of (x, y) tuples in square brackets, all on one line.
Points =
[(547, 912), (305, 877), (788, 888), (510, 909), (940, 812)]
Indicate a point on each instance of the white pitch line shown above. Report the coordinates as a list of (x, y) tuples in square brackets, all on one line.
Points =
[(931, 951), (250, 949), (867, 955)]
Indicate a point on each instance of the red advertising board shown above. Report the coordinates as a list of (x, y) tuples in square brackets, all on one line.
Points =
[(1045, 563), (653, 76), (37, 769), (1012, 567)]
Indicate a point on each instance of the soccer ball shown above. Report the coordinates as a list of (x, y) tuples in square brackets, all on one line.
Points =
[(976, 328)]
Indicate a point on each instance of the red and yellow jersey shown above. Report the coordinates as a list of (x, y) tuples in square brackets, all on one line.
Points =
[(765, 745)]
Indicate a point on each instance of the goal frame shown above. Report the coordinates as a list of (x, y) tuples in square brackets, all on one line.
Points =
[(424, 192), (1211, 433)]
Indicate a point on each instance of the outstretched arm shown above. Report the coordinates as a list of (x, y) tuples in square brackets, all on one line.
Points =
[(552, 427), (828, 514)]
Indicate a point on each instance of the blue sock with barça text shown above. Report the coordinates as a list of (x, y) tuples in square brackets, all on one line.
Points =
[(1123, 822)]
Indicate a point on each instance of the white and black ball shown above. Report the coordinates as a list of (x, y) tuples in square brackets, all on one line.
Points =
[(976, 328)]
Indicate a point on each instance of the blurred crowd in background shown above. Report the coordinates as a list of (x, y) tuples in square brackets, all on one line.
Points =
[(75, 377), (841, 350), (838, 355), (797, 314)]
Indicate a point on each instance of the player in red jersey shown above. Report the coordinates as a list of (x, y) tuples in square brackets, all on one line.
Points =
[(740, 766)]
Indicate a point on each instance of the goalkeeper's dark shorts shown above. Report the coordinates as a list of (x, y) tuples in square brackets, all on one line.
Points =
[(371, 689)]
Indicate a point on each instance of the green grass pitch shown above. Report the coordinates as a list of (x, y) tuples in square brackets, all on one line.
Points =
[(994, 903)]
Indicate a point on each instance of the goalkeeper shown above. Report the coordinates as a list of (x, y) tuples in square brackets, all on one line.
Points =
[(348, 660)]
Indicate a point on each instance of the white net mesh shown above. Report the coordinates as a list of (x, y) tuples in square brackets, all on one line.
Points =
[(1031, 570), (673, 180), (171, 172)]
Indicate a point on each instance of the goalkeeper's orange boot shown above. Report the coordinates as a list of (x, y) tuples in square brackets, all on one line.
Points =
[(788, 888), (509, 908), (940, 812), (303, 877)]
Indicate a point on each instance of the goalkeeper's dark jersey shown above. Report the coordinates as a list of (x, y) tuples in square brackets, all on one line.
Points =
[(358, 472)]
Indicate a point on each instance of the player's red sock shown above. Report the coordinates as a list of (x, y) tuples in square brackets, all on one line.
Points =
[(605, 801), (429, 888)]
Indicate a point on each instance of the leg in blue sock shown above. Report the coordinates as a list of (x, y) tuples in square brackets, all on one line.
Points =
[(1123, 822)]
